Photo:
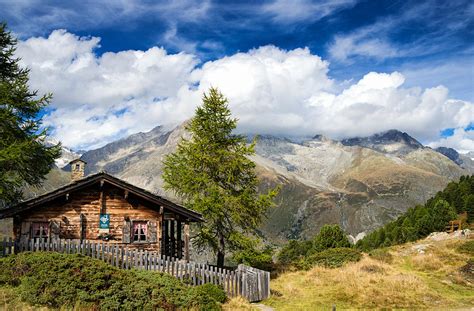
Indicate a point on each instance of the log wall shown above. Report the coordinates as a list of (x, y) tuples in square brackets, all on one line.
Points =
[(90, 203)]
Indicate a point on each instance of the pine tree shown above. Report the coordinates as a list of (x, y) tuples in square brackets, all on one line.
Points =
[(24, 159), (213, 175), (330, 236), (469, 208)]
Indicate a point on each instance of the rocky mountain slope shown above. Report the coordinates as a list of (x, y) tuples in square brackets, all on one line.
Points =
[(360, 183), (463, 160)]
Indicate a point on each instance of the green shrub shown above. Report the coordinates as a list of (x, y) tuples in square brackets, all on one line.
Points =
[(205, 297), (330, 236), (260, 259), (466, 248), (381, 254), (294, 251), (59, 280), (330, 258)]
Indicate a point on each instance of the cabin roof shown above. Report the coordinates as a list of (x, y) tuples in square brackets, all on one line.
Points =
[(95, 178), (77, 160)]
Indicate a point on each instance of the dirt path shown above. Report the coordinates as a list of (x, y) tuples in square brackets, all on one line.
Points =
[(263, 307)]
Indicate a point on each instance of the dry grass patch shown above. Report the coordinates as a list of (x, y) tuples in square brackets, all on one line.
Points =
[(366, 284), (423, 275), (238, 304), (9, 301), (426, 262)]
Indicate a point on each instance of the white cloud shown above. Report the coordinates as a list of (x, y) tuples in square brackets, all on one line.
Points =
[(81, 15), (456, 74), (345, 47), (387, 37), (271, 91), (461, 140), (101, 93), (287, 11)]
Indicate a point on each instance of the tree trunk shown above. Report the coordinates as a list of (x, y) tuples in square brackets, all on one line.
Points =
[(220, 259), (221, 251)]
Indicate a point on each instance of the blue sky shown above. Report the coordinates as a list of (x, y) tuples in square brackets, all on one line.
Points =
[(429, 42)]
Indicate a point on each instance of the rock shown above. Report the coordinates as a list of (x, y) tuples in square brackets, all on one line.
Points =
[(420, 248), (440, 236)]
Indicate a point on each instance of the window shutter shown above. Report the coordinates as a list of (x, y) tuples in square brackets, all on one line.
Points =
[(126, 231), (55, 228), (152, 232)]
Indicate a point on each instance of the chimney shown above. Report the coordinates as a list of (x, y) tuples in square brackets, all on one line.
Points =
[(77, 169)]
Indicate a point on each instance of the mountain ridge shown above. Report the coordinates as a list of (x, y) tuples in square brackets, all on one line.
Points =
[(360, 183)]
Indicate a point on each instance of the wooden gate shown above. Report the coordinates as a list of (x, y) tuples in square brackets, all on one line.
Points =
[(255, 283)]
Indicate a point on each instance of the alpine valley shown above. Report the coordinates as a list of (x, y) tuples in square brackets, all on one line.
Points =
[(360, 183)]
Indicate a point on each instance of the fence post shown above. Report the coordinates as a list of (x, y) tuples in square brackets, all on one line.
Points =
[(4, 246), (127, 265), (11, 246)]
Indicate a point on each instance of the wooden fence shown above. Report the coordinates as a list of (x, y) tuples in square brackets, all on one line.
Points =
[(248, 282)]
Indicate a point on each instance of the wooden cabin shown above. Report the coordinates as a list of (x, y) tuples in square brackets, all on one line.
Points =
[(103, 207)]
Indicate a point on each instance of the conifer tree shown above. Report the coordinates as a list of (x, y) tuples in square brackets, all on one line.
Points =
[(469, 207), (24, 159), (213, 175)]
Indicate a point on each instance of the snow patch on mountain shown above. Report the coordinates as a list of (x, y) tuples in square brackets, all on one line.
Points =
[(67, 154)]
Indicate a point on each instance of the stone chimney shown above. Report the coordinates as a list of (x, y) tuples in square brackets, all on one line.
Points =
[(77, 169)]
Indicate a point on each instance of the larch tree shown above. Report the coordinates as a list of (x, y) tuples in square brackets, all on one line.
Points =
[(212, 173), (24, 158)]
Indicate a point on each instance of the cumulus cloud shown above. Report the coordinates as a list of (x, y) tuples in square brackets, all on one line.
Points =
[(462, 140), (107, 95), (271, 91)]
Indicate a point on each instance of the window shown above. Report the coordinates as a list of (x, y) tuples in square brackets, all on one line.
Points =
[(139, 232), (78, 166), (40, 230)]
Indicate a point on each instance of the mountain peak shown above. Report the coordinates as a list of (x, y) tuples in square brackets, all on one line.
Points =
[(320, 137), (391, 141)]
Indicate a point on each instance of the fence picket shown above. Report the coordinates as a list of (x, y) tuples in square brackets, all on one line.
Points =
[(203, 274)]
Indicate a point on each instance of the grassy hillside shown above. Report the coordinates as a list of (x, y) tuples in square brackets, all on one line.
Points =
[(427, 274)]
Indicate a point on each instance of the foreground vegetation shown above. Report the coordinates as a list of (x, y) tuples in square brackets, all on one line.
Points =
[(329, 248), (24, 157), (57, 280), (428, 274)]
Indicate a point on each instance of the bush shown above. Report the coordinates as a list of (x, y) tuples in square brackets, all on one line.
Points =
[(59, 280), (466, 248), (260, 259), (294, 251), (381, 254), (206, 296), (330, 258), (330, 236)]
